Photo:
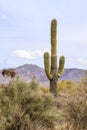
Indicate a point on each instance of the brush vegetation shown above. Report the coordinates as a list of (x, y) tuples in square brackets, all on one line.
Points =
[(24, 107), (28, 106)]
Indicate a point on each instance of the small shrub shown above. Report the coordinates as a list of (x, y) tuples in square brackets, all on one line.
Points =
[(65, 85), (44, 89), (22, 106)]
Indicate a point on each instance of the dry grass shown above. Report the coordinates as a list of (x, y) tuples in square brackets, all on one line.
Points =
[(72, 105)]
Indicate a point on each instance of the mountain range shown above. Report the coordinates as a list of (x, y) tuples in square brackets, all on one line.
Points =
[(28, 71)]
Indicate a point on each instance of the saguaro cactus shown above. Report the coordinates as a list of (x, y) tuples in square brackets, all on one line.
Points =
[(51, 70)]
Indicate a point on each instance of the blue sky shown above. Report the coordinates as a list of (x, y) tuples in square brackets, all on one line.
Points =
[(25, 31)]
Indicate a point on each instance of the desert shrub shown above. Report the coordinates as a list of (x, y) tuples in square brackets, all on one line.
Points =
[(23, 106), (34, 85), (65, 85), (44, 89), (9, 72), (75, 111), (61, 85)]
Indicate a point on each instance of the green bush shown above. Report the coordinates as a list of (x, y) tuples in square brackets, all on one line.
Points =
[(22, 106)]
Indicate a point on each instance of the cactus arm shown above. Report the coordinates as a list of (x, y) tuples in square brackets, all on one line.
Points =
[(61, 66), (47, 65)]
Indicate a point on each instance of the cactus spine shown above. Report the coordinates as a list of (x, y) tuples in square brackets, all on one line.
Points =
[(51, 70)]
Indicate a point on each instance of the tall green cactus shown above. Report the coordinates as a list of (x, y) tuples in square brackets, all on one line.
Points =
[(51, 70)]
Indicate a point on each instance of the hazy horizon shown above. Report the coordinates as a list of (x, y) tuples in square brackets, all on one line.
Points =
[(25, 32)]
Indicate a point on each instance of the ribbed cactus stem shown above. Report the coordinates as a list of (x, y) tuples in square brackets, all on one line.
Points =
[(47, 65), (53, 46), (53, 37), (61, 66), (51, 70)]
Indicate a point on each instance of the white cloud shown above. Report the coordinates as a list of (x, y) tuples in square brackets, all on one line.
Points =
[(82, 61), (27, 54), (36, 54)]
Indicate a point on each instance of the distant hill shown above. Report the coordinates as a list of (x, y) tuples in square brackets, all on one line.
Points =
[(27, 72), (73, 74)]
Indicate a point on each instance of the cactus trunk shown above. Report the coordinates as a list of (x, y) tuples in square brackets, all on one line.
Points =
[(51, 71), (53, 85)]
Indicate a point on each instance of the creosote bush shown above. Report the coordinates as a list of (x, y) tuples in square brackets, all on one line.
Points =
[(23, 106)]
